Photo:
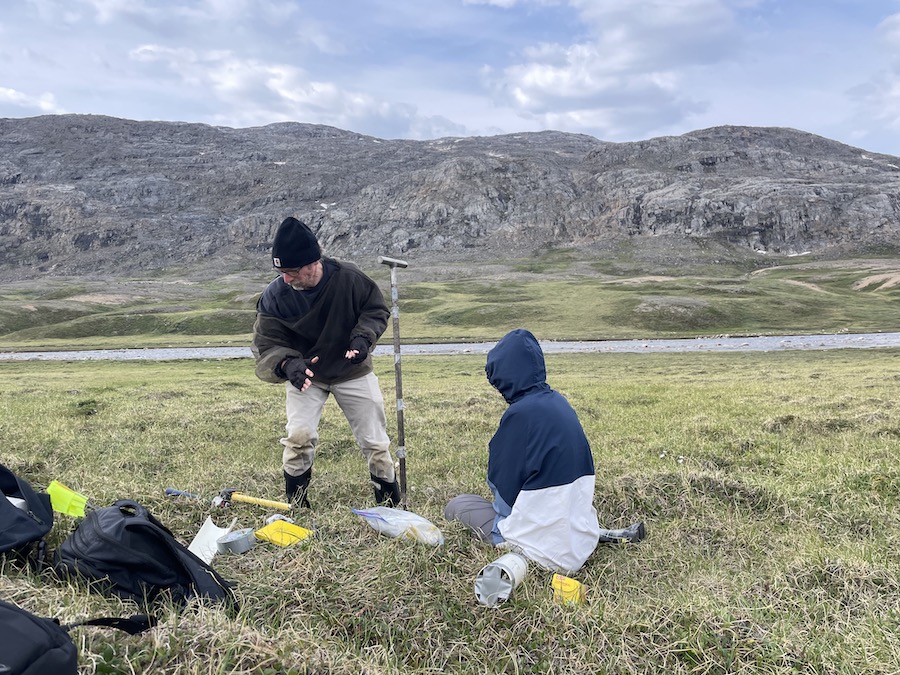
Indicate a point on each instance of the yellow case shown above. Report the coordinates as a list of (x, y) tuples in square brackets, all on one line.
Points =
[(566, 590), (282, 533)]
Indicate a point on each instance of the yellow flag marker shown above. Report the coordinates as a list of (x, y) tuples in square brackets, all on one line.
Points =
[(65, 500)]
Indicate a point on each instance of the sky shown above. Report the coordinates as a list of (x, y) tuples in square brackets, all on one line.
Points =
[(618, 70)]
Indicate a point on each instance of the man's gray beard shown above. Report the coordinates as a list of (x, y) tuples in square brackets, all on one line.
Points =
[(297, 286)]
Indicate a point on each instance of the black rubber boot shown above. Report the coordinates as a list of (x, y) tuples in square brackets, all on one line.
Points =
[(296, 488), (386, 493), (630, 535)]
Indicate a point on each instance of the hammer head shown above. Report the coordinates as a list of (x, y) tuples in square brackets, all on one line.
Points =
[(392, 262), (223, 499)]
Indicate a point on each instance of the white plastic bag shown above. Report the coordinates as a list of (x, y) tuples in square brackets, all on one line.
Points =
[(402, 524)]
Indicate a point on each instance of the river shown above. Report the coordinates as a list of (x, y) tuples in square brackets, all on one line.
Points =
[(712, 344)]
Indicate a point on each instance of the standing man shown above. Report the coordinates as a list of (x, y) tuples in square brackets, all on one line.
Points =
[(316, 325), (540, 468)]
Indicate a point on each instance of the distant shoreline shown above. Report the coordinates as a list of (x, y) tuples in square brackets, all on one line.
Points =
[(715, 344)]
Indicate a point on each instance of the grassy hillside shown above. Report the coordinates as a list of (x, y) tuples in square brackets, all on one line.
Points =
[(557, 296), (768, 483)]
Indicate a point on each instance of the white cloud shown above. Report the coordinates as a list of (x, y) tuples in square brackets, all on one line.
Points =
[(890, 29), (878, 99), (50, 10), (647, 33), (506, 4), (256, 93), (627, 72), (45, 103), (108, 11), (616, 69)]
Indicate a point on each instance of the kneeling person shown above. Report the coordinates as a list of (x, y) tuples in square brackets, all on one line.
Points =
[(540, 468)]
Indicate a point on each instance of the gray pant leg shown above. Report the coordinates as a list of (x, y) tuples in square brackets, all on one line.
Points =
[(473, 511)]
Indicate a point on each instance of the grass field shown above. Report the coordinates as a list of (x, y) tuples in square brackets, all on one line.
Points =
[(556, 296), (768, 483)]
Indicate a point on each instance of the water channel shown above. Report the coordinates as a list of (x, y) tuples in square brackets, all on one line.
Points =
[(709, 344)]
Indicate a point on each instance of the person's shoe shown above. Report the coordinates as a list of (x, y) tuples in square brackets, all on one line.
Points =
[(386, 493), (296, 487), (629, 535)]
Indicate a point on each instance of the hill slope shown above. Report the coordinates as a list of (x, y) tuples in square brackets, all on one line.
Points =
[(81, 193)]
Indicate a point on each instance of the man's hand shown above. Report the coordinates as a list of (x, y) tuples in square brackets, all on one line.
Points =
[(299, 371), (359, 349)]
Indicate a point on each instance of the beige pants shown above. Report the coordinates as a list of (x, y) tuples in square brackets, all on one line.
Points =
[(363, 406)]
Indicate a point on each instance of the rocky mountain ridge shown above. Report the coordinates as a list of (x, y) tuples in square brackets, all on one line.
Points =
[(81, 193)]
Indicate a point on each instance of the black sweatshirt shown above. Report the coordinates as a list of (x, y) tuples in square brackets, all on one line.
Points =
[(320, 322)]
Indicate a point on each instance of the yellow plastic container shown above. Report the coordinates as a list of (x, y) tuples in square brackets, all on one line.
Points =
[(566, 590), (65, 500)]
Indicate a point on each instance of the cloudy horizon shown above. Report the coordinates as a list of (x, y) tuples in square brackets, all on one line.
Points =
[(420, 70)]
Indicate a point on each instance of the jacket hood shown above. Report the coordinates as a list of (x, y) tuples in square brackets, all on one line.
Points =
[(515, 366)]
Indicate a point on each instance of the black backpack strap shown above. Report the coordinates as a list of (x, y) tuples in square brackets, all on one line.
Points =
[(140, 512), (39, 557), (133, 625)]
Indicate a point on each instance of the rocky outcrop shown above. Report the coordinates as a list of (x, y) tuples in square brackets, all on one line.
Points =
[(777, 190), (80, 193)]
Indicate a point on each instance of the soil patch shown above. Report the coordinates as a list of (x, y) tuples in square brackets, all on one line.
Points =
[(882, 281), (806, 284), (103, 299)]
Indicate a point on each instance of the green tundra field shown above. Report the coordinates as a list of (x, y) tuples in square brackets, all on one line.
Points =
[(557, 296), (768, 483)]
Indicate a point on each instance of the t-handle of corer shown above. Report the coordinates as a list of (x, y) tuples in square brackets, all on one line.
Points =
[(392, 262)]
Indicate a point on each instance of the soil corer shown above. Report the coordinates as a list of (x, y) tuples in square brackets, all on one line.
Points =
[(393, 263)]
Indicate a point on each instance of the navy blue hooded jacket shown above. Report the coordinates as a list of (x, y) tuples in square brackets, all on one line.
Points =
[(540, 467)]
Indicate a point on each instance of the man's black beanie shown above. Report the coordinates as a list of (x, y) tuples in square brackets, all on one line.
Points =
[(295, 245)]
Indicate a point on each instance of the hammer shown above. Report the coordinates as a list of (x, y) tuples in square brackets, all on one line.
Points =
[(228, 495)]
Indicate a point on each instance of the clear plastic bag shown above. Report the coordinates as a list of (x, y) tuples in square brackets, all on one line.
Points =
[(401, 524)]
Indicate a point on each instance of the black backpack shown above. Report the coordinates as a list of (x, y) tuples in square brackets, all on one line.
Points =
[(33, 645), (125, 550), (22, 528)]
